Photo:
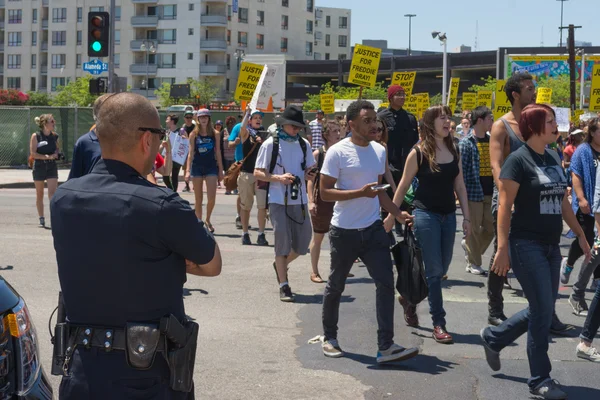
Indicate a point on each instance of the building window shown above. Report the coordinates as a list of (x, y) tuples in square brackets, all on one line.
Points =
[(79, 14), (309, 48), (285, 3), (260, 41), (32, 83), (190, 56), (310, 4), (260, 17), (14, 39), (343, 22), (243, 15), (117, 13), (117, 60), (327, 39), (79, 37), (151, 11), (228, 62), (34, 16), (167, 36), (59, 38), (342, 41), (15, 16), (327, 56), (309, 26), (328, 21), (96, 9), (342, 56), (117, 36), (34, 38), (14, 61), (191, 7), (242, 39), (152, 35), (284, 45), (229, 12), (284, 22), (317, 56), (13, 83), (228, 36), (59, 15), (33, 61), (167, 61), (190, 31), (169, 12), (227, 84), (78, 61), (56, 83), (58, 60)]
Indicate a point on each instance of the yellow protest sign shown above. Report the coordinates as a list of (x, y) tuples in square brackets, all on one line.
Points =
[(422, 104), (544, 95), (484, 98), (247, 80), (575, 118), (595, 90), (384, 105), (365, 65), (469, 101), (327, 103), (410, 105), (453, 97), (406, 80), (501, 103)]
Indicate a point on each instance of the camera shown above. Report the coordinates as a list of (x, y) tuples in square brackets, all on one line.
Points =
[(61, 156), (295, 188)]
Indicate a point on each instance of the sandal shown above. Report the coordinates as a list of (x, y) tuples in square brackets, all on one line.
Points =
[(316, 278), (210, 227)]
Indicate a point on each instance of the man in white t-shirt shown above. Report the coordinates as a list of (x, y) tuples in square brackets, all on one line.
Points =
[(288, 202), (351, 169)]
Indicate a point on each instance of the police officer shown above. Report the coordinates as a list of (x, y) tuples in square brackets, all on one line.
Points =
[(120, 283)]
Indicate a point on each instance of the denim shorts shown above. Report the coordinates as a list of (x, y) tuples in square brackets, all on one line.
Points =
[(203, 170), (44, 170)]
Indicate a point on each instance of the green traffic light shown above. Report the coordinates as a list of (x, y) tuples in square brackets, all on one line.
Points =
[(96, 46)]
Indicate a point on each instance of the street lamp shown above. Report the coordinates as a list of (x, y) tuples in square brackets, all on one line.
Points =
[(443, 39), (562, 3), (239, 56), (410, 17), (149, 47)]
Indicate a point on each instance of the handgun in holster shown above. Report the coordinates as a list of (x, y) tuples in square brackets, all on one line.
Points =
[(60, 338), (181, 354)]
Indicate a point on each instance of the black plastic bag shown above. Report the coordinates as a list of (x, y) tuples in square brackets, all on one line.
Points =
[(411, 282)]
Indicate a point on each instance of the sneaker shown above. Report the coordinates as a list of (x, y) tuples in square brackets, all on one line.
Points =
[(565, 272), (238, 222), (285, 294), (476, 270), (42, 221), (579, 307), (496, 320), (246, 239), (594, 284), (590, 354), (396, 353), (549, 389), (186, 189), (261, 240), (331, 348), (492, 357)]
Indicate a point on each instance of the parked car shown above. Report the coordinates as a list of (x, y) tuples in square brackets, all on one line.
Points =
[(179, 108), (21, 372)]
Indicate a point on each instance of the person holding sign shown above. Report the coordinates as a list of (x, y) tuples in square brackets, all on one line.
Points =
[(180, 145)]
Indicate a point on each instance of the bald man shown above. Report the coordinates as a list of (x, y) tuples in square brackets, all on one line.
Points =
[(123, 291)]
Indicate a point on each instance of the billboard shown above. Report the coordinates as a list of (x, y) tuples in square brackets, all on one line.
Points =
[(549, 65)]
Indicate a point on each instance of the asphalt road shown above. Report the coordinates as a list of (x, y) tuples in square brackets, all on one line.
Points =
[(252, 346)]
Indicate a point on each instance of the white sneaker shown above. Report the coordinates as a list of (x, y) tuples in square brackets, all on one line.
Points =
[(396, 353), (475, 270), (590, 353)]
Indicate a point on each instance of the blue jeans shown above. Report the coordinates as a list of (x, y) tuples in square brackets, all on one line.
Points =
[(592, 322), (435, 235), (537, 268)]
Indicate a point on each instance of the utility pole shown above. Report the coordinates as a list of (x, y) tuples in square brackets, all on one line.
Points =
[(562, 3), (410, 17), (111, 48), (572, 77)]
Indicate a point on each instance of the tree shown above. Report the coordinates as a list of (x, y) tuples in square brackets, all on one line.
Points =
[(345, 92), (38, 99), (489, 83), (76, 92), (202, 91)]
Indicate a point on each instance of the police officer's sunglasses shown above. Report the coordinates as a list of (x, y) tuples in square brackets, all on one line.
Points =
[(157, 131)]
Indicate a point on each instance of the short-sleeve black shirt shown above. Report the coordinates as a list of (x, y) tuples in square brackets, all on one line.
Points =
[(121, 245)]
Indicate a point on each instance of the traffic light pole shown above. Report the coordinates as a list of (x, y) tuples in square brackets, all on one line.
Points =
[(111, 49)]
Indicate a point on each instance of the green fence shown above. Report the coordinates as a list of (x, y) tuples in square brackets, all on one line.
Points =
[(17, 125)]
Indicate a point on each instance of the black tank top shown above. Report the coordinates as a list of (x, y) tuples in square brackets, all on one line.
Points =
[(435, 192), (46, 144)]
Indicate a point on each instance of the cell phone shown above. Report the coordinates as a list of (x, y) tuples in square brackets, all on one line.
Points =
[(382, 187)]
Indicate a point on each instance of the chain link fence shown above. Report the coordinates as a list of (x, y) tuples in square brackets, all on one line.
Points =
[(18, 123)]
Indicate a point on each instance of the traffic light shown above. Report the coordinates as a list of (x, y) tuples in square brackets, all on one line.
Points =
[(98, 33), (98, 85)]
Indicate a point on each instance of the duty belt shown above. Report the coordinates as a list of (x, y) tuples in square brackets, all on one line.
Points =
[(107, 338)]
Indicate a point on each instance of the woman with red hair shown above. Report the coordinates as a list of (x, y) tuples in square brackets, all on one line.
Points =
[(533, 181)]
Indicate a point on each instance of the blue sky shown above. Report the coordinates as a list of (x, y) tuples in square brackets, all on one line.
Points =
[(502, 23)]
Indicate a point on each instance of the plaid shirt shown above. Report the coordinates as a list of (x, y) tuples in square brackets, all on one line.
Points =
[(315, 130), (469, 155)]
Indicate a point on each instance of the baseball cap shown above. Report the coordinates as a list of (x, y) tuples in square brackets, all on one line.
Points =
[(188, 112), (219, 122), (253, 113), (576, 132), (203, 112)]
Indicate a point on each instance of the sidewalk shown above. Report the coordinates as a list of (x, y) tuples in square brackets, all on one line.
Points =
[(11, 178)]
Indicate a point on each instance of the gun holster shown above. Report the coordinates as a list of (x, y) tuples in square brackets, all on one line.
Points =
[(59, 341), (181, 359)]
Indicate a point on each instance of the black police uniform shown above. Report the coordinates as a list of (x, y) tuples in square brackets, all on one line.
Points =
[(119, 262), (402, 136)]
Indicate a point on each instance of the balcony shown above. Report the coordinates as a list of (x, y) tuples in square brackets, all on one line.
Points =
[(45, 24), (44, 46), (213, 20), (144, 21), (212, 69), (213, 45), (216, 1), (44, 69), (143, 69), (135, 45), (144, 1)]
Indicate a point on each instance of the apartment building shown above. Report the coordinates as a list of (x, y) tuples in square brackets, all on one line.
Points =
[(332, 33), (43, 43)]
